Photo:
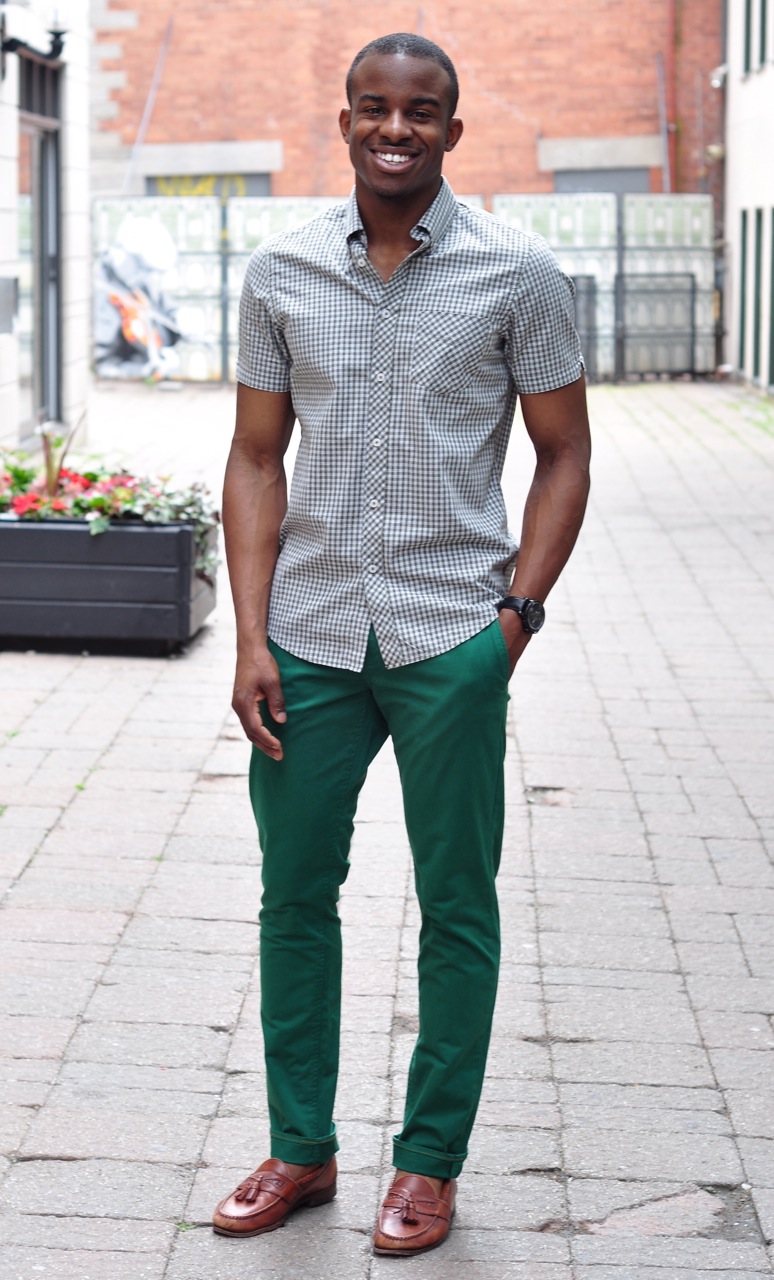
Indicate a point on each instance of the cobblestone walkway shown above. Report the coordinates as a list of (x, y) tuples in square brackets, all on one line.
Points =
[(627, 1126)]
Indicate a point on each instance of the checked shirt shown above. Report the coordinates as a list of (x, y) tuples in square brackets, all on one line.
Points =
[(405, 394)]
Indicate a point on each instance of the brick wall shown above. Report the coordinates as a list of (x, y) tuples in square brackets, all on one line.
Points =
[(248, 69)]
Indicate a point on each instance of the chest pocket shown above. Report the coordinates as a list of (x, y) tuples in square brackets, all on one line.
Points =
[(451, 348)]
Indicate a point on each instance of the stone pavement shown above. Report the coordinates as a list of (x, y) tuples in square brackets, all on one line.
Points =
[(627, 1127)]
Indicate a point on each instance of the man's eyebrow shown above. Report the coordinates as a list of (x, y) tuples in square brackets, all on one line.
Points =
[(423, 100)]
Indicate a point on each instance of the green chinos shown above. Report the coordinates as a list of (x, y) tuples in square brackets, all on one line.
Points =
[(446, 717)]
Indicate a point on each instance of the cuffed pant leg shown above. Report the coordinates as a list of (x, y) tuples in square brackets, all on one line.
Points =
[(447, 719), (304, 807)]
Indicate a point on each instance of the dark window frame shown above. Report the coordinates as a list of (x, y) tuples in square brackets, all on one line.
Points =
[(743, 293)]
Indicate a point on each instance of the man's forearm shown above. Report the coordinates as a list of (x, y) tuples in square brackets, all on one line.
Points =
[(254, 505), (553, 515)]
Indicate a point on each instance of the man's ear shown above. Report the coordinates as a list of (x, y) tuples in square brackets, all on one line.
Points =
[(345, 123), (453, 133)]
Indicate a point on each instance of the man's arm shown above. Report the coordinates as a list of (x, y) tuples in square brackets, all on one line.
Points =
[(558, 426), (254, 504)]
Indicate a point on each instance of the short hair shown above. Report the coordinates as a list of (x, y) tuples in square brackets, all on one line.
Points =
[(411, 46)]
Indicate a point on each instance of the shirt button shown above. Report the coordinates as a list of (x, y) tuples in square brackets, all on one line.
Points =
[(375, 444), (374, 503), (360, 263), (373, 568), (379, 377)]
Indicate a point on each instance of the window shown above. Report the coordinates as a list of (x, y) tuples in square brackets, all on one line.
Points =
[(39, 245), (757, 284), (743, 293), (771, 304)]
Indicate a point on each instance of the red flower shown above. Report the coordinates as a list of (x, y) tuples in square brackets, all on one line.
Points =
[(58, 504), (75, 478), (25, 502)]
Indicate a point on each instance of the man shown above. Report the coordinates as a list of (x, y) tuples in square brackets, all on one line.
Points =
[(382, 599)]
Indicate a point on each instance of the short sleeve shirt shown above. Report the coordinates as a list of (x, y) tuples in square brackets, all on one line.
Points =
[(405, 393)]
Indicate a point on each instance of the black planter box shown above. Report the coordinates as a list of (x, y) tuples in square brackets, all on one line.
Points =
[(134, 582)]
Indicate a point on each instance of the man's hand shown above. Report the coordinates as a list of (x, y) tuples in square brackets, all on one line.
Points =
[(257, 680), (516, 638)]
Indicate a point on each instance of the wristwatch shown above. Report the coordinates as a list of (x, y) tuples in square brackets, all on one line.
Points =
[(531, 612)]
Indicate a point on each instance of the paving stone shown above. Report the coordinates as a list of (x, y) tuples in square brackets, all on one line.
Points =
[(730, 994), (81, 1264), (688, 1213), (701, 1158), (62, 926), (637, 1119), (48, 997), (28, 1036), (627, 1063), (45, 1231), (165, 996), (108, 1188), (222, 937), (752, 1114), (69, 888), (735, 1030), (763, 1199), (503, 1151), (743, 1069), (299, 1246), (758, 1160), (573, 949), (93, 1132), (712, 1255), (723, 958), (156, 1045), (146, 1083), (432, 1267), (214, 849), (621, 1019), (593, 1199)]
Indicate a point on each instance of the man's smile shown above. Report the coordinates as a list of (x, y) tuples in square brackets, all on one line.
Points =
[(393, 159)]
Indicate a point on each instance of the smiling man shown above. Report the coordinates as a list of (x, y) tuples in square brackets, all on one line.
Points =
[(384, 598)]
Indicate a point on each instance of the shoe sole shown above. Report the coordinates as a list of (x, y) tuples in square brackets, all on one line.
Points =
[(311, 1201)]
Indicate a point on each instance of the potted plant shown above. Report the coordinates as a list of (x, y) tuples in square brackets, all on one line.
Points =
[(94, 552)]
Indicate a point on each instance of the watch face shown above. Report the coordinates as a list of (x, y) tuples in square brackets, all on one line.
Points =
[(533, 615)]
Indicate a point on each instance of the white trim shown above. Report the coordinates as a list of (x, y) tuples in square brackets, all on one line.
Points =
[(640, 151), (178, 159)]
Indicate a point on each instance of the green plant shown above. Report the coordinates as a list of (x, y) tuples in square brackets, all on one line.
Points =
[(102, 495)]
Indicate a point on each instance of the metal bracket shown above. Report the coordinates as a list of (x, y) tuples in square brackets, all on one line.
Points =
[(12, 45)]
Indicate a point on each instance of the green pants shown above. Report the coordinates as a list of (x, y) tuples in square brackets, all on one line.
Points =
[(446, 716)]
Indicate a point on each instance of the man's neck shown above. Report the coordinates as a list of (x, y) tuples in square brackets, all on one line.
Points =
[(388, 223)]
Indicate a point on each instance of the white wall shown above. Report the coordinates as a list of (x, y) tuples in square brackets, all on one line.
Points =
[(749, 185), (74, 136)]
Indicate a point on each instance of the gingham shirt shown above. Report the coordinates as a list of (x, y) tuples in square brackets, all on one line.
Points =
[(405, 394)]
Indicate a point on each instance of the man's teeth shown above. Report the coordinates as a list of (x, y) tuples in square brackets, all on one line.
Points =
[(391, 158)]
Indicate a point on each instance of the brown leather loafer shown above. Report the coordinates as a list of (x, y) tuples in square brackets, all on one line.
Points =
[(267, 1197), (413, 1218)]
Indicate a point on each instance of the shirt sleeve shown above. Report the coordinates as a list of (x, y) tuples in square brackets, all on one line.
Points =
[(263, 361), (544, 352)]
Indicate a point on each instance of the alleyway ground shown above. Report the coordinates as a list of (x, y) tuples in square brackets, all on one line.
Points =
[(627, 1127)]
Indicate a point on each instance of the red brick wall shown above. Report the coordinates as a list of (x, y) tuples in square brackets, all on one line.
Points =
[(248, 69)]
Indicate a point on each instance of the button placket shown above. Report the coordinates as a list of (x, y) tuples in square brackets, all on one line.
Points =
[(376, 467)]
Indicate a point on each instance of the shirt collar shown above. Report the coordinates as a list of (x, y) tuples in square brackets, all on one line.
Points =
[(430, 227)]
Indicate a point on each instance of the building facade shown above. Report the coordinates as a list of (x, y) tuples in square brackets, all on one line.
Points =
[(748, 75), (242, 98), (45, 266)]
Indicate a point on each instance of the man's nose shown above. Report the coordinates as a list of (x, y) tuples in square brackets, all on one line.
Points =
[(395, 126)]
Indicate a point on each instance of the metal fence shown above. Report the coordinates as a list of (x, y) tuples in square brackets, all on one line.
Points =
[(643, 268)]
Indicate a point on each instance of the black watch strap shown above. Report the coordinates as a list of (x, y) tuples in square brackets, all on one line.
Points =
[(531, 612)]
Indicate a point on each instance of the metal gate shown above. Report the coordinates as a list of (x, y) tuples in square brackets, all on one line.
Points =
[(586, 320), (655, 324)]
